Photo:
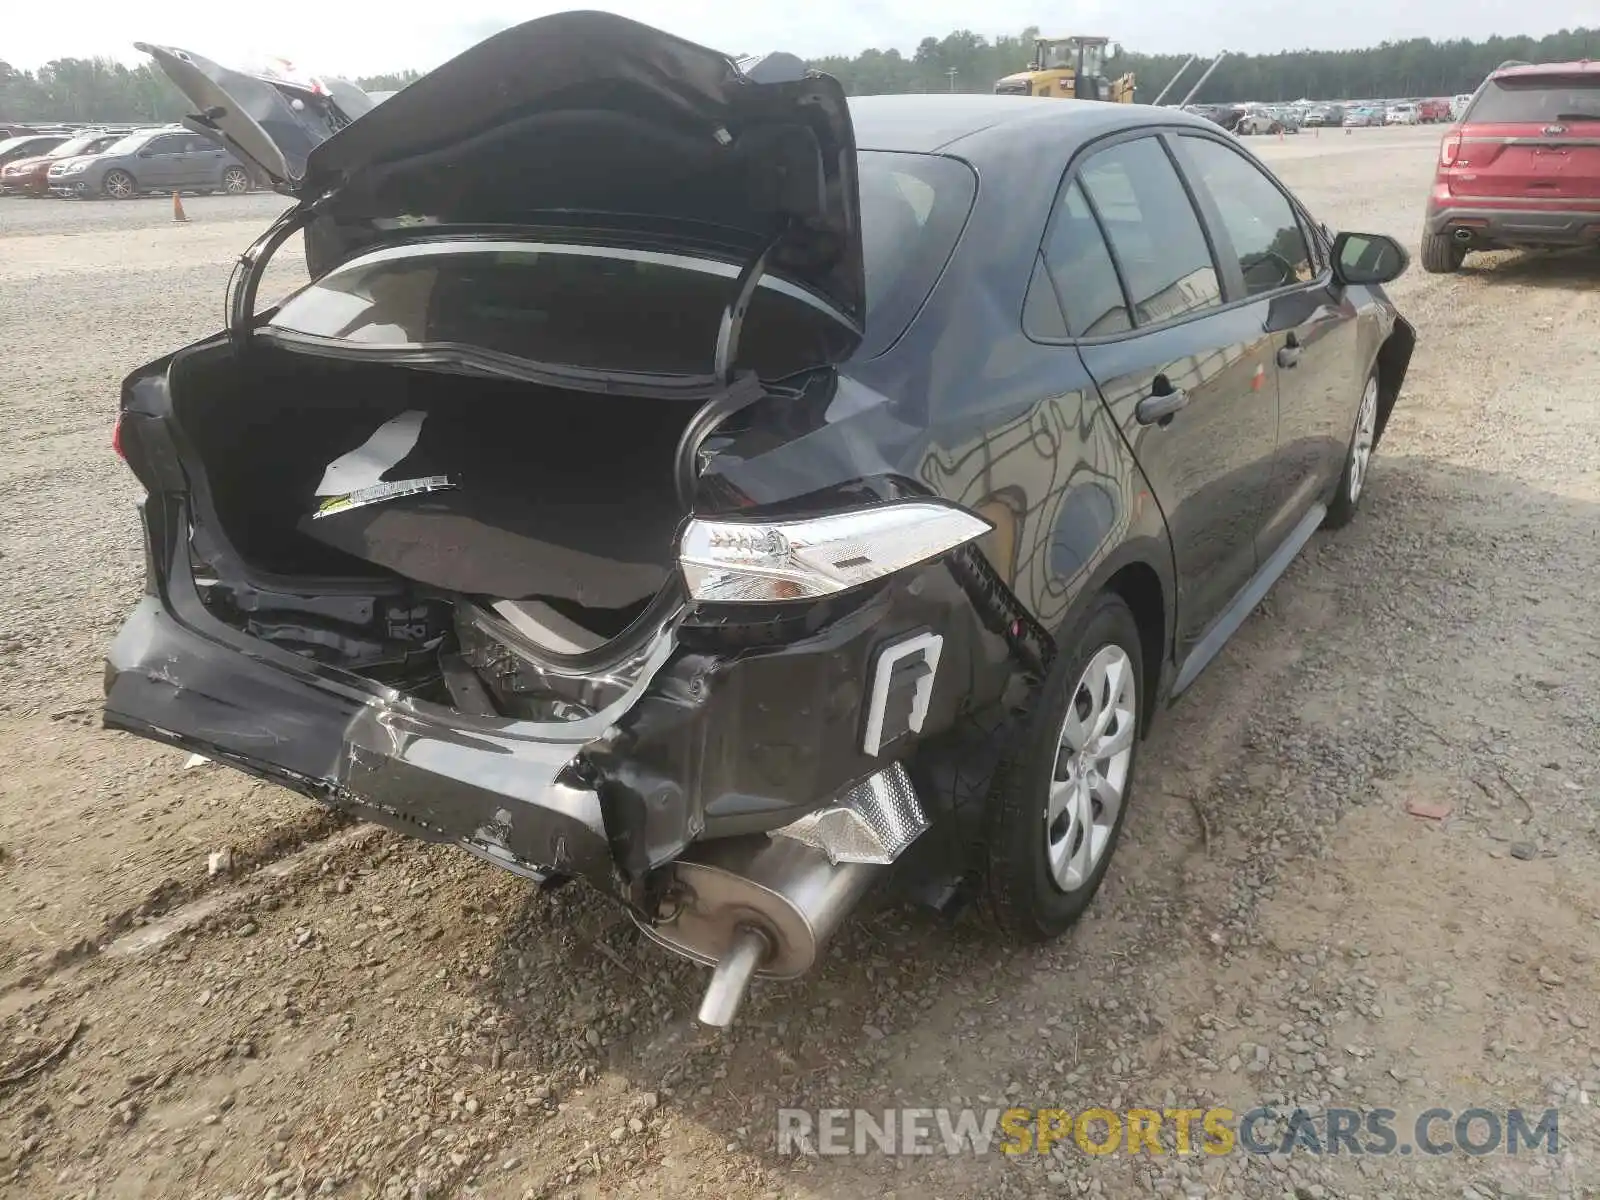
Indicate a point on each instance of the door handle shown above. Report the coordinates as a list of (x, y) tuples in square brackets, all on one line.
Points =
[(1289, 352), (1160, 407)]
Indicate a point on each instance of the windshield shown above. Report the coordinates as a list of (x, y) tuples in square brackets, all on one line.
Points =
[(129, 144), (567, 305), (78, 145), (1538, 99)]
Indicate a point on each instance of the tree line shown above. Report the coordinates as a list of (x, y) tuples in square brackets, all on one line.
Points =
[(100, 89), (968, 62)]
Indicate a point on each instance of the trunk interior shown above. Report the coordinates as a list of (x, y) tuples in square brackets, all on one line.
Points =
[(562, 501)]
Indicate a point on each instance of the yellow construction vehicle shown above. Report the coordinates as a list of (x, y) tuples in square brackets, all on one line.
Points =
[(1070, 68)]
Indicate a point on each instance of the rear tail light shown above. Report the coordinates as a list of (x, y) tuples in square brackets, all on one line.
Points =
[(116, 438), (1449, 150), (745, 562)]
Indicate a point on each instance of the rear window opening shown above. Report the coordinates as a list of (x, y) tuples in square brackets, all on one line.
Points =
[(1536, 99), (617, 308), (593, 308)]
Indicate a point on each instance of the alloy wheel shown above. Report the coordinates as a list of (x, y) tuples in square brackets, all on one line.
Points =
[(1361, 448), (235, 182), (1093, 756), (118, 185)]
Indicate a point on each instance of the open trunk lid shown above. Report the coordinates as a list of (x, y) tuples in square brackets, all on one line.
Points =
[(583, 121)]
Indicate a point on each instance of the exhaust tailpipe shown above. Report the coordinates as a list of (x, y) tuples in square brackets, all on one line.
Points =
[(1463, 235), (767, 905)]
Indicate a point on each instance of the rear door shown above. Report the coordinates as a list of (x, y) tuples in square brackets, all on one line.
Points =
[(203, 162), (1188, 375), (1262, 235), (1532, 137)]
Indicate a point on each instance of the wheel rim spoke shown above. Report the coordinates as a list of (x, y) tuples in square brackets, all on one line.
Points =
[(1366, 429), (1093, 758)]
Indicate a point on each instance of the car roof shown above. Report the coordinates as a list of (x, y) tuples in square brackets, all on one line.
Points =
[(925, 124), (1582, 66)]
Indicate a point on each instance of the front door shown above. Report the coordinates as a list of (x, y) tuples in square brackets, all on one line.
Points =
[(1189, 378), (1309, 320), (161, 161)]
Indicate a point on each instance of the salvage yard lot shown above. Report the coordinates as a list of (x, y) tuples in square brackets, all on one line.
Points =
[(343, 1012)]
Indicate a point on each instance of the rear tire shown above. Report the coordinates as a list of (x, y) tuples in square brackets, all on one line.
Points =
[(236, 181), (1051, 828), (1441, 255), (1357, 460)]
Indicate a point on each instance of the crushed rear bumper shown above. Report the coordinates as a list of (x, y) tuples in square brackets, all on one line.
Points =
[(716, 737), (487, 786)]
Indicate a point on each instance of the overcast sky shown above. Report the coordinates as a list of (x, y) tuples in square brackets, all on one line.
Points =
[(345, 38)]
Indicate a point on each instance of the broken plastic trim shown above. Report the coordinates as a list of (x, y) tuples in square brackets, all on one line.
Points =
[(873, 822)]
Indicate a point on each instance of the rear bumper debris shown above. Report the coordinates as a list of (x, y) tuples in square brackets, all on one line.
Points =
[(486, 785)]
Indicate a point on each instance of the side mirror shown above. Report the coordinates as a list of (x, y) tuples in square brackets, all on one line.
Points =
[(1368, 258)]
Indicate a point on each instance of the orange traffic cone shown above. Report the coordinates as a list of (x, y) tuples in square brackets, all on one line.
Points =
[(177, 209)]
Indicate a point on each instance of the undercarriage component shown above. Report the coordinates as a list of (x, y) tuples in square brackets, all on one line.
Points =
[(767, 906)]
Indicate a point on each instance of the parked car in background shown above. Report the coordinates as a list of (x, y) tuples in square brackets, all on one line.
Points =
[(1458, 105), (167, 159), (1256, 119), (31, 176), (1521, 168), (1434, 111), (1403, 114), (28, 145), (1357, 118), (805, 589), (1325, 116)]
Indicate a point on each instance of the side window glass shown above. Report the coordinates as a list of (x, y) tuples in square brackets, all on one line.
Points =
[(1259, 219), (198, 144), (1081, 271), (1153, 230), (1041, 311), (164, 145)]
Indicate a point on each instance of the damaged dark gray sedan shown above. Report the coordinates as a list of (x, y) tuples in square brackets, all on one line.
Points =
[(679, 478)]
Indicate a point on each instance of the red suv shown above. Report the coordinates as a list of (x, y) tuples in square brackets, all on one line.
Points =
[(1522, 169)]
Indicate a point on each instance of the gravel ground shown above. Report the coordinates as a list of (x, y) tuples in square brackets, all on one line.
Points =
[(341, 1012)]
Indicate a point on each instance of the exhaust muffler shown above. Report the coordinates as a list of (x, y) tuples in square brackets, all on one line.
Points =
[(767, 905)]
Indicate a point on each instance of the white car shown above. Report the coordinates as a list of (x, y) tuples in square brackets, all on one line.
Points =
[(1403, 114), (1257, 121)]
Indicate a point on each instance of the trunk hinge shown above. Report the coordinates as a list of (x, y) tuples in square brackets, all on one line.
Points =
[(246, 278), (733, 316)]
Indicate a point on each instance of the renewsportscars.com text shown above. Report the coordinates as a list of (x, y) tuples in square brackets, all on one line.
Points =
[(1213, 1131)]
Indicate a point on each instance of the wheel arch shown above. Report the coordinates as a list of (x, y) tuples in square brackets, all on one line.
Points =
[(1392, 361), (1140, 587), (1139, 572)]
